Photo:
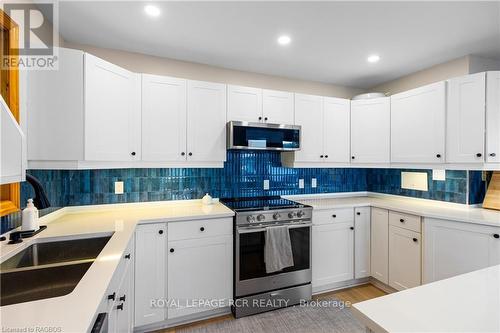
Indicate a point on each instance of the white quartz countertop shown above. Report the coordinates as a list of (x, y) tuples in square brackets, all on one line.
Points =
[(76, 311), (464, 303), (421, 207)]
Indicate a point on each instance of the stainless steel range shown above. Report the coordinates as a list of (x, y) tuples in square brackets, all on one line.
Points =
[(255, 290)]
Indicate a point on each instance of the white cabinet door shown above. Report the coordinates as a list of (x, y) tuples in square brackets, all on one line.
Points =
[(465, 119), (125, 303), (493, 117), (206, 121), (150, 272), (55, 104), (380, 244), (199, 269), (244, 103), (336, 122), (370, 130), (453, 248), (362, 242), (309, 114), (332, 253), (112, 112), (277, 107), (404, 258), (418, 125), (163, 118)]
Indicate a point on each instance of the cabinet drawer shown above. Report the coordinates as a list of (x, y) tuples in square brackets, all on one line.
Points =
[(406, 221), (199, 228), (333, 215)]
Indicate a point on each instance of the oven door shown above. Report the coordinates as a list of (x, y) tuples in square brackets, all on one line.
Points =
[(250, 269)]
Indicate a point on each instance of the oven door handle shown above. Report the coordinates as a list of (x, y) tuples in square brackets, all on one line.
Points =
[(247, 230)]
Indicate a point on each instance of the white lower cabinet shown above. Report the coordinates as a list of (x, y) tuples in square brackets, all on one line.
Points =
[(361, 242), (150, 272), (452, 248), (380, 244), (404, 258), (199, 270)]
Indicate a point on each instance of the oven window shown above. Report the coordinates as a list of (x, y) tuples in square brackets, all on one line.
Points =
[(259, 137), (252, 253)]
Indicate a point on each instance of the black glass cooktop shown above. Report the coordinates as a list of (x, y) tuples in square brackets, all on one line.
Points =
[(260, 203)]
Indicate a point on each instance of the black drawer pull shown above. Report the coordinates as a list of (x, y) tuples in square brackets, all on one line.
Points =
[(334, 215), (496, 235), (172, 250), (320, 156), (479, 154), (402, 220), (119, 307), (127, 256), (202, 229), (122, 298), (160, 232), (132, 153), (493, 154), (415, 240), (358, 213), (112, 296), (183, 153), (352, 228), (326, 156), (352, 157)]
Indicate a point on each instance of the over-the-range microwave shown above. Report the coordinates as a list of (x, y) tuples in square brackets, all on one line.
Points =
[(263, 136)]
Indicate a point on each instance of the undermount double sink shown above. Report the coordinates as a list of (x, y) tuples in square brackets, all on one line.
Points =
[(47, 269)]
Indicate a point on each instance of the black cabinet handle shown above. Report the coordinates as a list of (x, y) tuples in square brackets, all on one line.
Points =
[(352, 228), (326, 156), (122, 298), (265, 119), (493, 154), (172, 250), (127, 256), (183, 153), (112, 296), (190, 154), (119, 307), (334, 215), (132, 153), (202, 229), (260, 118), (160, 232), (415, 240), (358, 213), (496, 236), (402, 220), (321, 156), (479, 155), (352, 157), (438, 155)]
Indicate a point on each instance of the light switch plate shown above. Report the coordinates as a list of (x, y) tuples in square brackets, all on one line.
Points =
[(266, 184), (118, 187), (439, 175), (414, 181), (301, 183), (314, 183)]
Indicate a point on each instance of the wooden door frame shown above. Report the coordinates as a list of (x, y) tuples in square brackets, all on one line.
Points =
[(12, 203)]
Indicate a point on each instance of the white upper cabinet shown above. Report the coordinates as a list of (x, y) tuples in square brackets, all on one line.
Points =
[(244, 103), (466, 119), (493, 117), (370, 130), (206, 121), (336, 129), (12, 147), (309, 115), (418, 125), (112, 112), (277, 107), (163, 118)]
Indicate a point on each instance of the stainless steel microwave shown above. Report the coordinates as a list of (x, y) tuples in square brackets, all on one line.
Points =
[(263, 136)]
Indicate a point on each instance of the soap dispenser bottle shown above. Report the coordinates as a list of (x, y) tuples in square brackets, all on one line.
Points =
[(30, 217)]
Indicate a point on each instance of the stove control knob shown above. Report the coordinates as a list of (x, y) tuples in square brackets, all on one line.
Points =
[(260, 217), (251, 218), (276, 216), (291, 215), (300, 213)]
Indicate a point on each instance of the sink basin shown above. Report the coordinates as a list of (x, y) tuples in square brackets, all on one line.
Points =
[(46, 270)]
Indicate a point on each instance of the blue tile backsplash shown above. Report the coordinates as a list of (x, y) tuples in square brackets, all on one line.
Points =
[(242, 176)]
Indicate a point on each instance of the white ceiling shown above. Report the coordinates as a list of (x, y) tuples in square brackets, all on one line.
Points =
[(330, 40)]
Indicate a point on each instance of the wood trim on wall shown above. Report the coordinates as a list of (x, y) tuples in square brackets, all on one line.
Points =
[(10, 193)]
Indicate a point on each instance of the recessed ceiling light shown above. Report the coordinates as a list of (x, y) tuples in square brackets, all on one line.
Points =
[(373, 58), (284, 40), (152, 10)]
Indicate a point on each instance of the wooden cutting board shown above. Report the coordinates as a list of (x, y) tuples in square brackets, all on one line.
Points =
[(492, 198)]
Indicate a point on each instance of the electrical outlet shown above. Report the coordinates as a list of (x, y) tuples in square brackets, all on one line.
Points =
[(314, 183), (266, 184), (118, 187), (301, 183), (439, 175)]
